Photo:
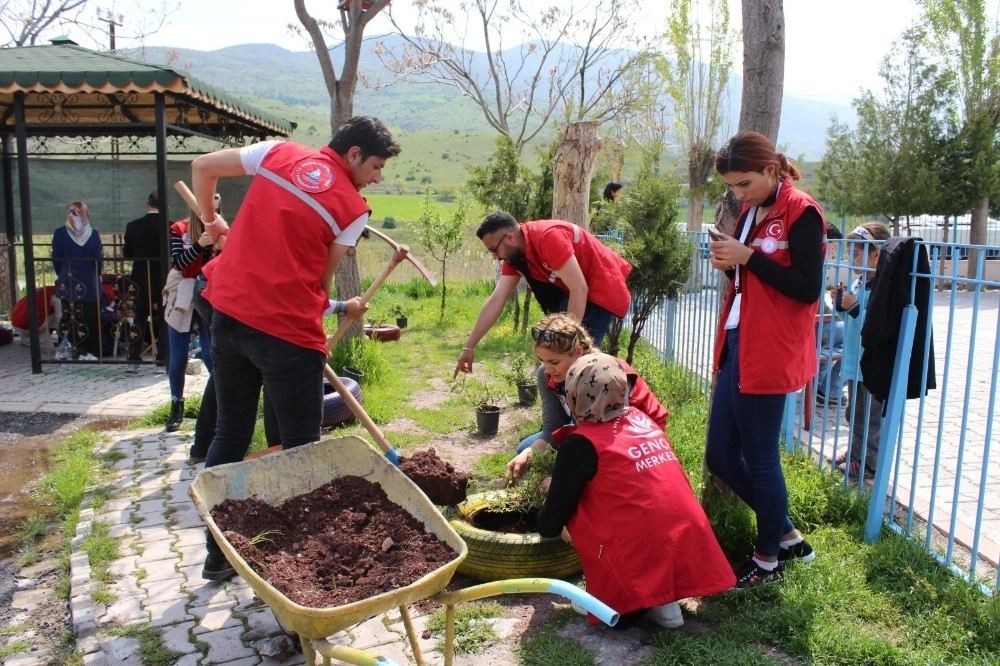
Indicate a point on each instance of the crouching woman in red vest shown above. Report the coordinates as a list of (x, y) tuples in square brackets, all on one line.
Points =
[(618, 488)]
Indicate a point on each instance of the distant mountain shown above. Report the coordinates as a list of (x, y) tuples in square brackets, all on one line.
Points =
[(294, 78)]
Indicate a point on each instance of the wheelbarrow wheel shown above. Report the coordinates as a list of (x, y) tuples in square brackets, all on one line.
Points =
[(504, 555)]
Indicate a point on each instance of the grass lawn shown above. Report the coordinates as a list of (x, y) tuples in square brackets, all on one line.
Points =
[(857, 603)]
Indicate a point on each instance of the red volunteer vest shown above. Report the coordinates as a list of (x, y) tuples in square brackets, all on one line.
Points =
[(268, 276), (777, 333), (550, 244), (642, 536)]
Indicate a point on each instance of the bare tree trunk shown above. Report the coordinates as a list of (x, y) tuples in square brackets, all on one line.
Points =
[(977, 234), (348, 282), (763, 66), (696, 211), (572, 168)]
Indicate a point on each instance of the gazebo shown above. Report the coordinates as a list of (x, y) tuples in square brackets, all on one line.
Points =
[(63, 90)]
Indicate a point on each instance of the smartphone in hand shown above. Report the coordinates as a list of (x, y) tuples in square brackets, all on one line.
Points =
[(715, 234)]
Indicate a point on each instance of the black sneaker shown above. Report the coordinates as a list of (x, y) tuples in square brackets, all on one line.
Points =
[(752, 574), (801, 551), (217, 567)]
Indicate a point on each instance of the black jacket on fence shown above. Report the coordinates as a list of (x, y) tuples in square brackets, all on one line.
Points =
[(884, 314)]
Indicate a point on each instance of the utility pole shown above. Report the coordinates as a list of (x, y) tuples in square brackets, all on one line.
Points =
[(112, 23)]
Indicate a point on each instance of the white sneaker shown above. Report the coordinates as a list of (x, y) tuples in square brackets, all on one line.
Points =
[(87, 357), (667, 615)]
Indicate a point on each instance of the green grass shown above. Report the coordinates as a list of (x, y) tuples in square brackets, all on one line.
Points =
[(152, 650), (473, 631), (857, 603)]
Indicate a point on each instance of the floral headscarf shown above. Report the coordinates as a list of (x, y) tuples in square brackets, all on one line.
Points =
[(596, 388), (78, 222)]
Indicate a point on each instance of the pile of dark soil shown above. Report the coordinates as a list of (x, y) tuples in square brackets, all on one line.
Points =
[(343, 542), (437, 478)]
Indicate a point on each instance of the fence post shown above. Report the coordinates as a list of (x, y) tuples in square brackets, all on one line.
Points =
[(891, 423)]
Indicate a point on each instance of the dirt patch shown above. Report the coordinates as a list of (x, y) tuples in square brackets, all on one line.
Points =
[(340, 543), (440, 481)]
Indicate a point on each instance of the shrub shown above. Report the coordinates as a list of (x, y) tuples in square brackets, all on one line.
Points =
[(389, 222)]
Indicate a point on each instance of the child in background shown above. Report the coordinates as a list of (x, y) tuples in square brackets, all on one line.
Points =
[(863, 412)]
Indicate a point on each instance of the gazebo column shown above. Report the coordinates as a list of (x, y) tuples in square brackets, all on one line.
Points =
[(29, 251)]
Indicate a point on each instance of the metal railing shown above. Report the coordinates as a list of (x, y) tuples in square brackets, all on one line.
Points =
[(936, 465)]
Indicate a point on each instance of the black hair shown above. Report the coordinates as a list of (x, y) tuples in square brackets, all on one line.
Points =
[(496, 221), (833, 231), (367, 133), (610, 189), (153, 200)]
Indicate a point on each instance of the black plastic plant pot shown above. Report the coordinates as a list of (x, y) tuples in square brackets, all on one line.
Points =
[(488, 420)]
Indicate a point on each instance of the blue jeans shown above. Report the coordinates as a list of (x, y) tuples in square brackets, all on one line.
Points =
[(247, 359), (180, 344), (742, 449), (596, 320), (828, 380)]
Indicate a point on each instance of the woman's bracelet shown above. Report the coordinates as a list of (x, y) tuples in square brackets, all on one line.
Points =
[(343, 307), (468, 349)]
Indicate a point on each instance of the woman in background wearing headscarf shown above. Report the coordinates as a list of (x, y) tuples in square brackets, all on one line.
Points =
[(617, 487), (77, 256)]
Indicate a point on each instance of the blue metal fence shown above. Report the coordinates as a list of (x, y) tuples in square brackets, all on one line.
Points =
[(936, 466)]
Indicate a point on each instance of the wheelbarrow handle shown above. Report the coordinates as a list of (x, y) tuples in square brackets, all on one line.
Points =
[(390, 452)]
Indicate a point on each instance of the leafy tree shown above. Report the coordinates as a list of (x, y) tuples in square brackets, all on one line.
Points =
[(886, 165), (968, 42), (441, 237), (660, 254), (702, 53)]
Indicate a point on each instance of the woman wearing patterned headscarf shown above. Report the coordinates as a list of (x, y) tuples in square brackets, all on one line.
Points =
[(77, 256), (619, 490)]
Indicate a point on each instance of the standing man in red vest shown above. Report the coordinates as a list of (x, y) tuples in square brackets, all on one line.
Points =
[(270, 285)]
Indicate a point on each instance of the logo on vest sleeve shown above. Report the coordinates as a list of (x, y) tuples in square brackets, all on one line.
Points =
[(313, 176)]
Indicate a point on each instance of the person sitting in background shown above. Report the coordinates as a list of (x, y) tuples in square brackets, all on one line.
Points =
[(48, 312), (863, 411), (559, 341), (623, 498), (831, 333)]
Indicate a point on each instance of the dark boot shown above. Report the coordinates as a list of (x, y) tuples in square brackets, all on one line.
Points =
[(176, 415)]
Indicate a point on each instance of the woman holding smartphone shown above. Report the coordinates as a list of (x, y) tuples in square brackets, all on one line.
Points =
[(766, 344)]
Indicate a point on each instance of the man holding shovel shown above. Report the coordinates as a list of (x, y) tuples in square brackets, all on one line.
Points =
[(270, 285)]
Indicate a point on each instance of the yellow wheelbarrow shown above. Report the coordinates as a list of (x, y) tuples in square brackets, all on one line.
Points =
[(281, 476)]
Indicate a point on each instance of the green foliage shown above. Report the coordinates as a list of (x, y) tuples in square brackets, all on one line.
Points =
[(363, 354), (886, 164), (659, 253), (504, 183), (479, 393), (388, 222), (529, 493), (549, 648), (442, 237), (519, 369)]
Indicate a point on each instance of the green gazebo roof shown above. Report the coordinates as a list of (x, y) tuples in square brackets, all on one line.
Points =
[(103, 93)]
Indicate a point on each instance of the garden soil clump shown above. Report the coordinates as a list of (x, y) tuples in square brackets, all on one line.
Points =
[(343, 542), (438, 479)]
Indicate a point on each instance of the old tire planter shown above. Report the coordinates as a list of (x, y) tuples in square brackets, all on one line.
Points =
[(335, 410), (500, 555), (383, 333)]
